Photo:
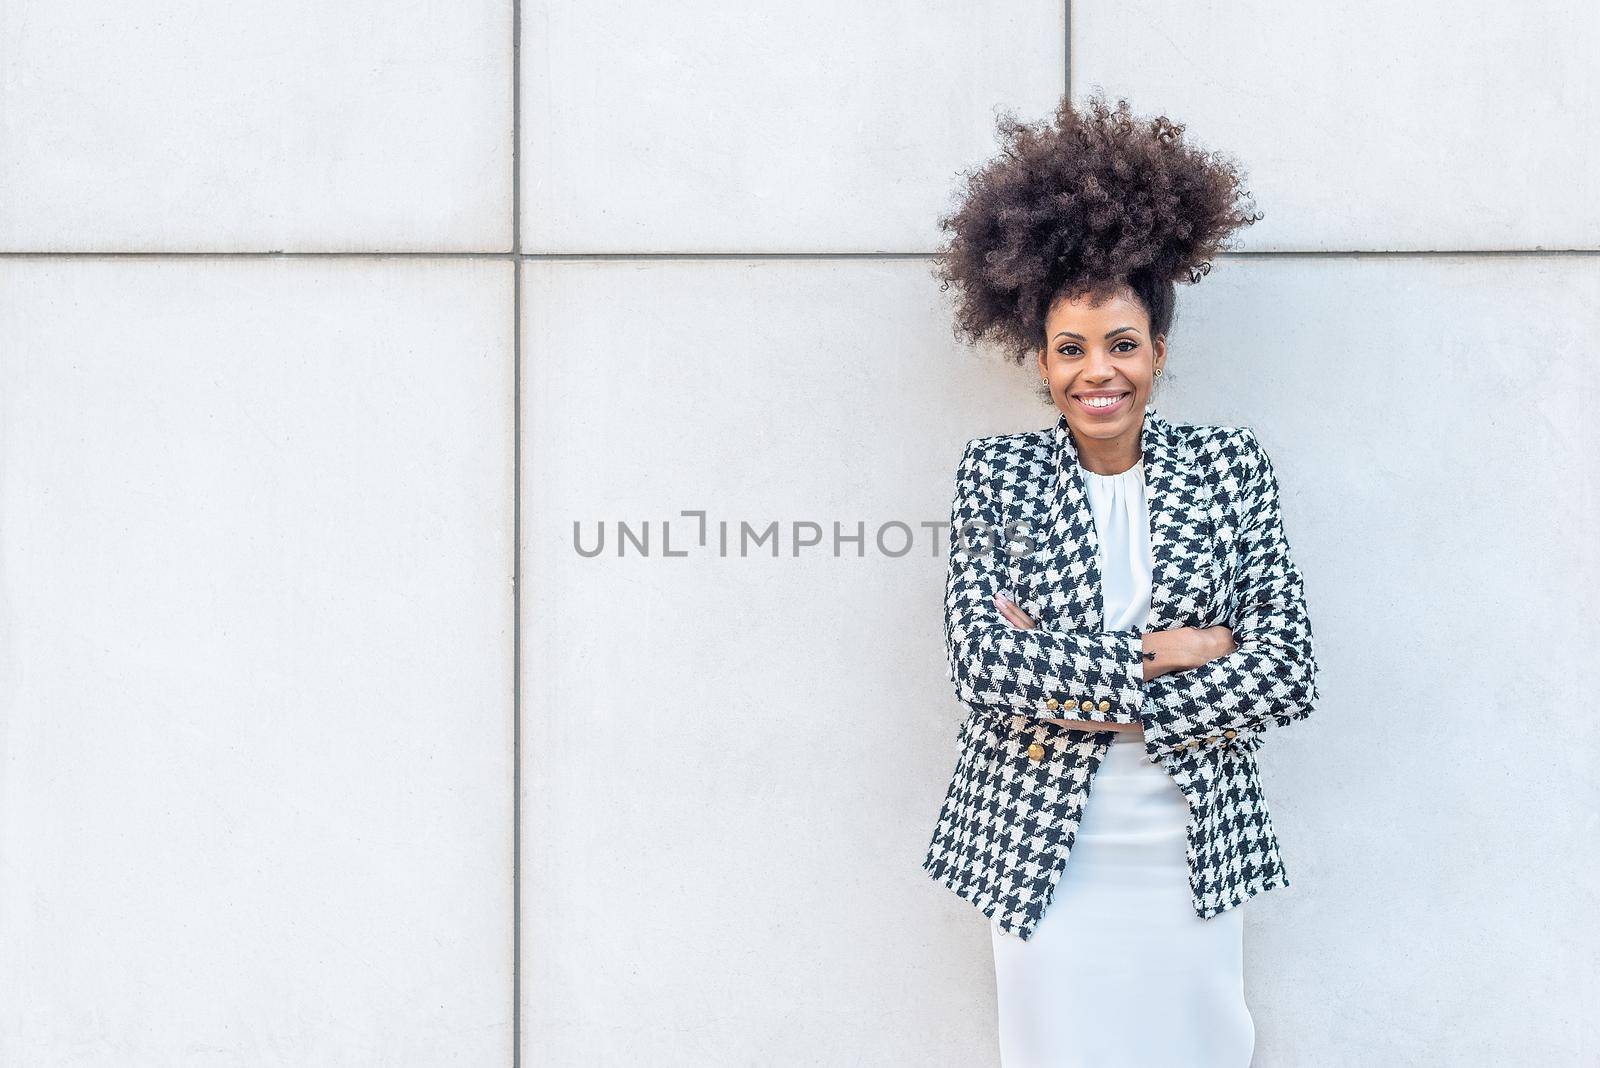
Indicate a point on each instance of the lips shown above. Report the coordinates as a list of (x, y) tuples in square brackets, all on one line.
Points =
[(1102, 409)]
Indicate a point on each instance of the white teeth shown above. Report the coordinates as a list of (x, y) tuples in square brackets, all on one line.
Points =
[(1101, 402)]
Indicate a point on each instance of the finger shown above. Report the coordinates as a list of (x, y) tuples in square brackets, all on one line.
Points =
[(1018, 617), (1012, 613)]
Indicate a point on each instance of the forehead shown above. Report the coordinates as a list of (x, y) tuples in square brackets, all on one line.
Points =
[(1098, 308)]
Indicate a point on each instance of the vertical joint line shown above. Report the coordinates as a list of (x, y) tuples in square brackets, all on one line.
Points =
[(1066, 44), (516, 533)]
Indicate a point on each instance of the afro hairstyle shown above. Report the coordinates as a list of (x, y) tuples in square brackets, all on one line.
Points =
[(1087, 203)]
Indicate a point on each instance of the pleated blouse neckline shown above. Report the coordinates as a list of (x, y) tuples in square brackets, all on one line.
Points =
[(1122, 521), (1136, 471)]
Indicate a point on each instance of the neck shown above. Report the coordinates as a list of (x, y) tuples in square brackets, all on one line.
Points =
[(1110, 456)]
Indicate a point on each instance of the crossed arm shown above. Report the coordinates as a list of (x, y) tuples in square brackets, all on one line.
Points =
[(1176, 649), (1202, 688), (999, 667)]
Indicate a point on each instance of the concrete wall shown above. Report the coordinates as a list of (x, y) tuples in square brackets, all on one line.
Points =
[(312, 317)]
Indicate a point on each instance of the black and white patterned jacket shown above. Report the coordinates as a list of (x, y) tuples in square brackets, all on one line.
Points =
[(1021, 523)]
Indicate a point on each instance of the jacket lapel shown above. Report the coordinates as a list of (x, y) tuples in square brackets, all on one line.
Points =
[(1060, 580), (1188, 538)]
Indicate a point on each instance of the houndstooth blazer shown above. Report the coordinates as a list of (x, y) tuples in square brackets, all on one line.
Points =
[(1021, 522)]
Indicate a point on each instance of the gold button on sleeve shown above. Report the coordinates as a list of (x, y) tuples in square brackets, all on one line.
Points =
[(1104, 706), (1052, 704), (1086, 704)]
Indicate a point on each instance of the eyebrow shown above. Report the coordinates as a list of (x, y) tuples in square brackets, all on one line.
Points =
[(1110, 334)]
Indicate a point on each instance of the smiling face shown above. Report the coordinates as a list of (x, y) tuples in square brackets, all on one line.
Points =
[(1100, 363)]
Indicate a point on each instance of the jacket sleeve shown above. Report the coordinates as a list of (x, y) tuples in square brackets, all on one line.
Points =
[(1270, 680), (1001, 668)]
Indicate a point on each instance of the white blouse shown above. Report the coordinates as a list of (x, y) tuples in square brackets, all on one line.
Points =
[(1122, 521)]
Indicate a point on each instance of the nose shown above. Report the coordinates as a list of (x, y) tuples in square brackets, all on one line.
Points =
[(1099, 367)]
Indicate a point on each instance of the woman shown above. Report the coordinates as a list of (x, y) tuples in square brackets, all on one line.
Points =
[(1123, 618)]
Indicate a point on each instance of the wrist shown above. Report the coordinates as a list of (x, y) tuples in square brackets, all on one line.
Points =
[(1167, 650), (1198, 649)]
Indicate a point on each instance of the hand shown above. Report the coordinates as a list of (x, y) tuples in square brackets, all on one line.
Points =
[(1016, 616)]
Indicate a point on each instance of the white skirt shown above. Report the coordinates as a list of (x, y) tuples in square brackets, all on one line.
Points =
[(1120, 971)]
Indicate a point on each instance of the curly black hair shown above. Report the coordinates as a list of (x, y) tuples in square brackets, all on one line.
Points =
[(1088, 203)]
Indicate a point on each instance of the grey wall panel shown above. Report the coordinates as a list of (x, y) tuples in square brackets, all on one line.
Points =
[(1373, 125), (819, 126), (255, 698), (251, 126)]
